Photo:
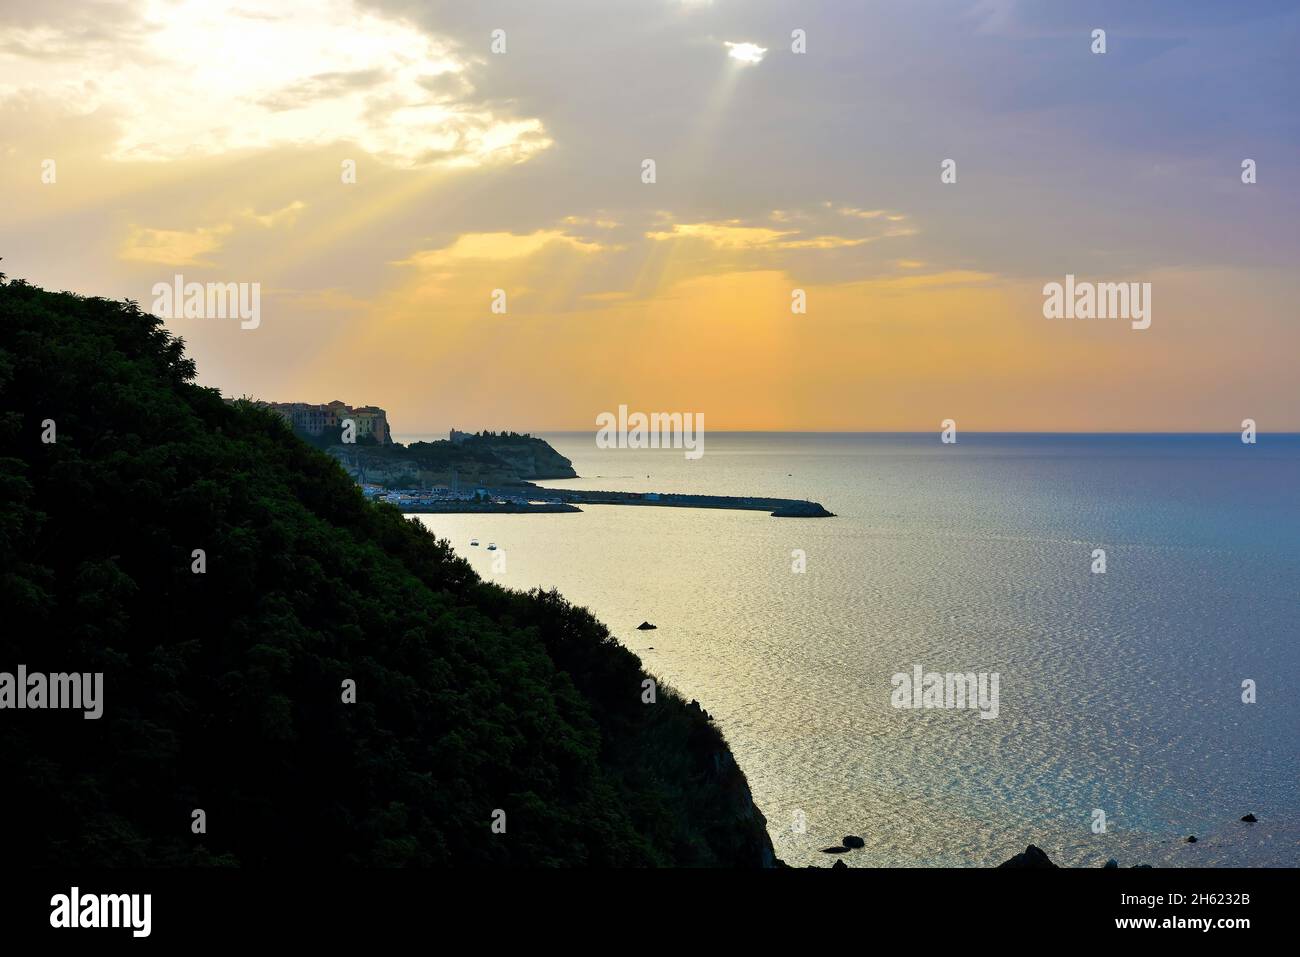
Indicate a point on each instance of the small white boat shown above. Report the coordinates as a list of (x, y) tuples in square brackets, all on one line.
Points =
[(473, 541), (492, 546)]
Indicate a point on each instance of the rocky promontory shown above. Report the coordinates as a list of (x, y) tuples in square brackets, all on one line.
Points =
[(464, 460)]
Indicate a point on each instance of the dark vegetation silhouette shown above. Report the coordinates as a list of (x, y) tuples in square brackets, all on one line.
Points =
[(222, 690)]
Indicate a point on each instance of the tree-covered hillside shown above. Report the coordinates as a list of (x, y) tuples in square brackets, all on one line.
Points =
[(223, 690)]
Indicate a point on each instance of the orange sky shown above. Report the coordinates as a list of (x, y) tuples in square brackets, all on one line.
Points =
[(522, 172)]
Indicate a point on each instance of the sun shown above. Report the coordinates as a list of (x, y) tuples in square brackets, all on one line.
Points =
[(745, 52)]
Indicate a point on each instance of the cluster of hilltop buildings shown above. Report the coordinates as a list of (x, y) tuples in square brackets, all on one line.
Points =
[(312, 419)]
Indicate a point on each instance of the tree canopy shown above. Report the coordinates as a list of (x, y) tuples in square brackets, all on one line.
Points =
[(222, 689)]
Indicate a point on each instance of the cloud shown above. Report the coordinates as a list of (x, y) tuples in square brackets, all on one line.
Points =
[(725, 235), (173, 247), (953, 278), (187, 78), (67, 29), (599, 221), (180, 247), (808, 234), (862, 213), (286, 214), (496, 247), (324, 86)]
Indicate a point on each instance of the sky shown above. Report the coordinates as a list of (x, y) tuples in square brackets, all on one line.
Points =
[(209, 139)]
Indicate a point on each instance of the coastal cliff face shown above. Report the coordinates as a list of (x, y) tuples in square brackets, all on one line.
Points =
[(327, 681), (754, 842)]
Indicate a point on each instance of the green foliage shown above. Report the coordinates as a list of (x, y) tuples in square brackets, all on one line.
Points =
[(222, 690)]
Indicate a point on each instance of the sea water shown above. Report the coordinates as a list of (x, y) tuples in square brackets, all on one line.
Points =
[(1121, 727)]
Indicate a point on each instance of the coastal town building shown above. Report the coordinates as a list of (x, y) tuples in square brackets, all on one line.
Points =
[(312, 419), (309, 419), (371, 420)]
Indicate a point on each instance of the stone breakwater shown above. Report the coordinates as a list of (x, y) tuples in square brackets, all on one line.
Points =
[(778, 507), (500, 508)]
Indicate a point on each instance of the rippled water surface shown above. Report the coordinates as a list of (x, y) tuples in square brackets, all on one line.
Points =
[(1119, 691)]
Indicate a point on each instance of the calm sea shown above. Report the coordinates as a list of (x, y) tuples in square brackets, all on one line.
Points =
[(1118, 692)]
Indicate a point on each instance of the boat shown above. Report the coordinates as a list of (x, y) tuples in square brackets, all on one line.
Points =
[(492, 546), (473, 541)]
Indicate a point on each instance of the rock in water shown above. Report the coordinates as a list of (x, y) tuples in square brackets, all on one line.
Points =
[(1192, 839), (1031, 857), (839, 864), (853, 841), (1250, 819), (1111, 864), (646, 626), (835, 850)]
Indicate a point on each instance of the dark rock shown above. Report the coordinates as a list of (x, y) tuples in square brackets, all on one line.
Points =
[(1192, 839), (1250, 819), (699, 709), (835, 850), (1031, 857), (853, 841), (839, 864), (1140, 867), (1112, 863), (646, 626)]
